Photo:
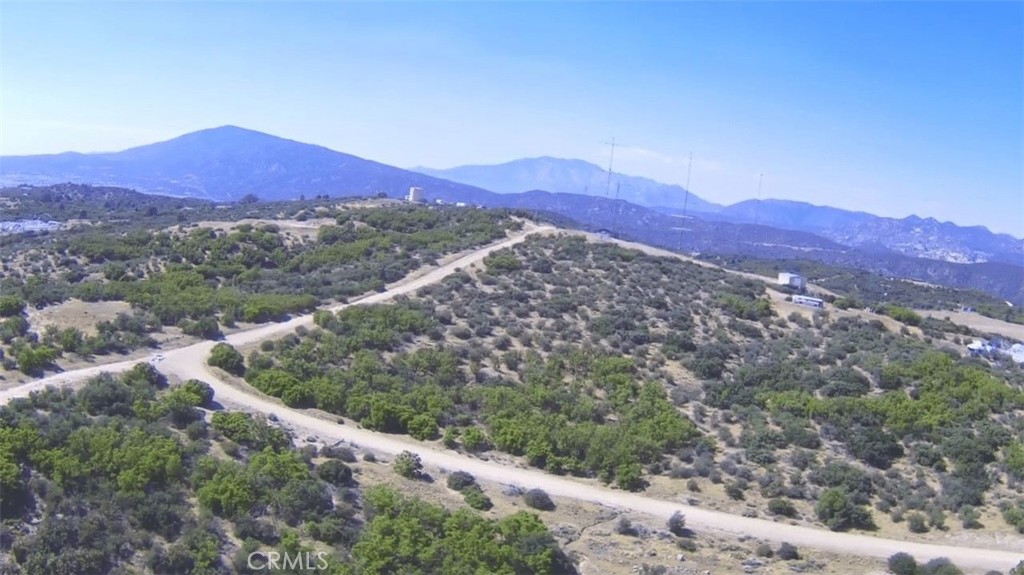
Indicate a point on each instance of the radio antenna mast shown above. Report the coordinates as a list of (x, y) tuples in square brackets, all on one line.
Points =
[(611, 159), (618, 210), (686, 200)]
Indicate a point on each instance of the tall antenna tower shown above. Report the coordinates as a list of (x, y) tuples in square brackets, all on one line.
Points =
[(686, 200), (618, 210), (611, 159)]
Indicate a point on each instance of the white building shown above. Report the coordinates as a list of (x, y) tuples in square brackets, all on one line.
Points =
[(792, 280), (415, 194), (980, 347), (1017, 352), (808, 301)]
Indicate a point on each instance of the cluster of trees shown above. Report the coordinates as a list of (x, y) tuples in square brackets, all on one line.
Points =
[(900, 314), (557, 352), (122, 474), (32, 353), (355, 366), (458, 541), (198, 279)]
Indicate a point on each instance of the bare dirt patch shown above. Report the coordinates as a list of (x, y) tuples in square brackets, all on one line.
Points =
[(76, 313), (307, 228), (979, 322)]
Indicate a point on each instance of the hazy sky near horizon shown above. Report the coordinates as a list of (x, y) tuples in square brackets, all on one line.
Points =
[(892, 108)]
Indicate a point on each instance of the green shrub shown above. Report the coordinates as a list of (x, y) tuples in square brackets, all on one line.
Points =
[(838, 511), (475, 497), (334, 472), (677, 524), (917, 523), (787, 552), (779, 506), (460, 480), (408, 465), (538, 499), (902, 564), (227, 358)]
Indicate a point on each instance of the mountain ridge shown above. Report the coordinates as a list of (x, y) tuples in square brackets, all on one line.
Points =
[(913, 235), (224, 164), (567, 175), (229, 163)]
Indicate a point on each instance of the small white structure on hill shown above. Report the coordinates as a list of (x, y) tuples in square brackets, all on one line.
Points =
[(415, 194), (808, 301), (792, 280), (980, 347), (1017, 352)]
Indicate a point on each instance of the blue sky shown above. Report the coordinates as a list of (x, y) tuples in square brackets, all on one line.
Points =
[(893, 108)]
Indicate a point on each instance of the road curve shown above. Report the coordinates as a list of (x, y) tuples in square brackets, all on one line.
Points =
[(165, 358), (190, 362), (698, 518)]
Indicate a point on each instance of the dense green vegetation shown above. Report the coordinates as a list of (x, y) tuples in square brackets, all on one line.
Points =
[(352, 367), (581, 358), (125, 476), (253, 274), (200, 279)]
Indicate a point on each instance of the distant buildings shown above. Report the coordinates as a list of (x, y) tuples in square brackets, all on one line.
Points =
[(980, 347), (996, 347), (19, 226), (794, 281), (808, 301), (415, 194), (1017, 352)]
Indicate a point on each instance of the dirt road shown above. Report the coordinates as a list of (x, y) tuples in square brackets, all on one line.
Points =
[(199, 352), (304, 424), (190, 362)]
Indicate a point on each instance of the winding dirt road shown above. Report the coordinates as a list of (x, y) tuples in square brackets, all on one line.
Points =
[(190, 362)]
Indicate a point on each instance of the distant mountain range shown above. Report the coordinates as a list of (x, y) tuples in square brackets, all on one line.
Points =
[(227, 163), (572, 177), (913, 236)]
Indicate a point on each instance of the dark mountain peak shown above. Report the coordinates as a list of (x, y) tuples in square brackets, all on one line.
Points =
[(226, 163), (223, 139)]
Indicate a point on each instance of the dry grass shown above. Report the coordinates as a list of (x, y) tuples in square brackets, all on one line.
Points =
[(76, 313), (979, 322)]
